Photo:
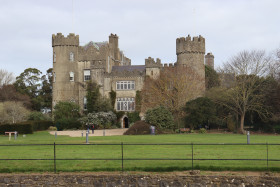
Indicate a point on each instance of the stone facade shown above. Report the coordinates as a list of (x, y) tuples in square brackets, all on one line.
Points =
[(104, 63)]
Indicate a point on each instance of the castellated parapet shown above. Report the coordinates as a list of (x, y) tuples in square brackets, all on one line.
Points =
[(150, 62), (190, 45), (61, 40)]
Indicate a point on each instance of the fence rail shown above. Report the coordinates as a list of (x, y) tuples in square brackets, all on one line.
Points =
[(122, 159)]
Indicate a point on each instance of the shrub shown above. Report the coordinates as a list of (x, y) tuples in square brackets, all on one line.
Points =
[(63, 110), (21, 128), (160, 117), (52, 128), (41, 125), (133, 117), (230, 124), (106, 119), (67, 123), (202, 131), (140, 128), (37, 116)]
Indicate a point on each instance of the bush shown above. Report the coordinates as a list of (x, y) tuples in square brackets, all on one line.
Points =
[(133, 117), (67, 123), (38, 116), (140, 128), (21, 128), (160, 117), (63, 110), (202, 131), (41, 125), (52, 128), (231, 124)]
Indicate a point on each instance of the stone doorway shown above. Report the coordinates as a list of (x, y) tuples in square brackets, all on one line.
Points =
[(125, 122)]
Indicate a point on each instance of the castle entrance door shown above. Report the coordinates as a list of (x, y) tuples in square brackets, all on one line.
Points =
[(125, 122)]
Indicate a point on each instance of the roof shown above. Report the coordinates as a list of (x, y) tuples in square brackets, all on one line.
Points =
[(128, 68), (97, 45)]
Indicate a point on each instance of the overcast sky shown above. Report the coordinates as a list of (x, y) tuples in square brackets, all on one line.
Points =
[(145, 27)]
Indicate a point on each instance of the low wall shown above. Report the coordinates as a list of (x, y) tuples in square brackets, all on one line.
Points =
[(137, 180)]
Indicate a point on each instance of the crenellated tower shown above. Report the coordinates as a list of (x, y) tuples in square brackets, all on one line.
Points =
[(65, 71), (153, 67), (190, 53)]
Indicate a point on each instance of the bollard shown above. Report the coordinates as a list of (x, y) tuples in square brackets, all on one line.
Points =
[(87, 137), (55, 134), (82, 133), (248, 137), (15, 135), (103, 132)]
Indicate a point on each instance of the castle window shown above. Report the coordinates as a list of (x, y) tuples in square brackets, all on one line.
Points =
[(86, 75), (71, 57), (152, 73), (85, 103), (54, 57), (125, 104), (71, 76), (125, 85)]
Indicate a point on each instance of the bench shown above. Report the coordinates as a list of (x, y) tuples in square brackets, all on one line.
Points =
[(10, 134), (185, 130)]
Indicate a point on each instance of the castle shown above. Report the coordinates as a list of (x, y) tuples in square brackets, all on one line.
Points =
[(106, 64)]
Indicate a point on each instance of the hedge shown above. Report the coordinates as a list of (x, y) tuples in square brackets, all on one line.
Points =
[(21, 128), (27, 127)]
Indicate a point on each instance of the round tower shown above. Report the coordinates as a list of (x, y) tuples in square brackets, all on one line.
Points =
[(190, 53), (65, 56), (209, 60)]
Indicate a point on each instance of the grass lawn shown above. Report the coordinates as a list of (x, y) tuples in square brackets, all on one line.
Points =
[(140, 152)]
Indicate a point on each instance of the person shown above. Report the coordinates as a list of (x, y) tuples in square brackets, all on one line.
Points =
[(92, 128)]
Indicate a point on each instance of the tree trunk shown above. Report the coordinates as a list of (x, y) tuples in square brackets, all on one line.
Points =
[(242, 124)]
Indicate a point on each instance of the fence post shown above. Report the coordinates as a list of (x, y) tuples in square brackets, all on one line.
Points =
[(266, 156), (122, 156), (192, 156), (54, 157)]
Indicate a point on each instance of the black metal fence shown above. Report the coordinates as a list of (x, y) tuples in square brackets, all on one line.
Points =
[(122, 158)]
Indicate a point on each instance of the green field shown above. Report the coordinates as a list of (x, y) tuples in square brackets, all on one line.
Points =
[(140, 152)]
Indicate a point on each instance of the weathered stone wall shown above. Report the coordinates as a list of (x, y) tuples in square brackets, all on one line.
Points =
[(119, 180)]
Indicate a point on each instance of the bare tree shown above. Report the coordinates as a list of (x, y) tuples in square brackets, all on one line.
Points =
[(6, 77), (13, 112), (174, 87), (246, 94)]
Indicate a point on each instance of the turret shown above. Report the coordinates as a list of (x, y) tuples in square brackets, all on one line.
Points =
[(190, 53), (153, 67), (209, 60), (190, 45), (60, 40)]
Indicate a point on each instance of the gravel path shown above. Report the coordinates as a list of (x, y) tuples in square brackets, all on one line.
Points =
[(78, 133)]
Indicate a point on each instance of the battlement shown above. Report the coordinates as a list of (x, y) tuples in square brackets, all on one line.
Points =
[(190, 45), (113, 36), (169, 65), (150, 62), (61, 40)]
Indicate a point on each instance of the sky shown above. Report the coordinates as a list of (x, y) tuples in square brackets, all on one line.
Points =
[(145, 27)]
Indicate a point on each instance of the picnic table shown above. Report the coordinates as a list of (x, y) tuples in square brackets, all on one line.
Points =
[(10, 134)]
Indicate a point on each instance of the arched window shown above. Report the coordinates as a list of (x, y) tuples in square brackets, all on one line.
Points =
[(54, 57), (71, 57), (71, 76)]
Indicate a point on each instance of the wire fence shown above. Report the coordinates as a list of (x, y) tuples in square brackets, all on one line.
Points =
[(193, 157)]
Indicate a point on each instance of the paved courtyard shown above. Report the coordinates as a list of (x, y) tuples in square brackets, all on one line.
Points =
[(78, 133)]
